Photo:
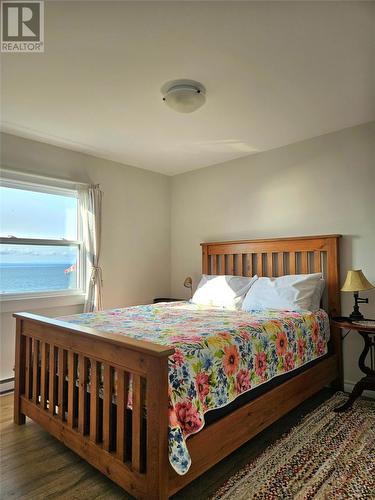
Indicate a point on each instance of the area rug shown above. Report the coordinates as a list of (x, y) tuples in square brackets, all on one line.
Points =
[(326, 456)]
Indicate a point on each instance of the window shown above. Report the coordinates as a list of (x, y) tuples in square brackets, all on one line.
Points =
[(41, 248)]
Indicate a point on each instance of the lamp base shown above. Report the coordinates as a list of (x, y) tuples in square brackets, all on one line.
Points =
[(356, 316)]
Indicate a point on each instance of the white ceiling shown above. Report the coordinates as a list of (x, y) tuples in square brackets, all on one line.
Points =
[(275, 73)]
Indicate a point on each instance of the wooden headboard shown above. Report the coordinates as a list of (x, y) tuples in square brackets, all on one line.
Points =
[(277, 257)]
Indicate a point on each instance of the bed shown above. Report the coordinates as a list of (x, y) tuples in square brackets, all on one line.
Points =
[(128, 389)]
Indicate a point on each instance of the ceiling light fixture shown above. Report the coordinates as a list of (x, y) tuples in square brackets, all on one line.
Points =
[(184, 96)]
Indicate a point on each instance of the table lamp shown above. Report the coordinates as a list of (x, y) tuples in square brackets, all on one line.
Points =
[(356, 282), (188, 283)]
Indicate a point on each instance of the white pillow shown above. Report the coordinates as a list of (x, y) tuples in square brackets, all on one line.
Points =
[(292, 292), (225, 291), (317, 297)]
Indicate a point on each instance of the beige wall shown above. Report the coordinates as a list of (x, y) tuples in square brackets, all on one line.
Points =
[(320, 186), (136, 226)]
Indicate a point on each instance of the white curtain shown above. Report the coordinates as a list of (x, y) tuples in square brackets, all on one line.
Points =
[(91, 203)]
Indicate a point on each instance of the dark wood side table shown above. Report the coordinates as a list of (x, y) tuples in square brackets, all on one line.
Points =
[(166, 299), (368, 381)]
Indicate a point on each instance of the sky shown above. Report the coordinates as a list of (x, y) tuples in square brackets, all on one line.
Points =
[(29, 214)]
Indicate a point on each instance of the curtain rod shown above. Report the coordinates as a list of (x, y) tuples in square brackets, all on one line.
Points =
[(42, 177)]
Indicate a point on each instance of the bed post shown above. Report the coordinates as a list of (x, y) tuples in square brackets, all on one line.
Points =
[(204, 258), (157, 429), (19, 375)]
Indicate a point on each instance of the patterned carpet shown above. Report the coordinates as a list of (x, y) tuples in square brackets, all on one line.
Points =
[(326, 456)]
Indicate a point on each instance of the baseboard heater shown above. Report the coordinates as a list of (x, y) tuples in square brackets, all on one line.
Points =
[(6, 385)]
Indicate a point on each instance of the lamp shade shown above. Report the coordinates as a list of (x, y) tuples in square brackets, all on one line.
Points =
[(184, 96), (185, 99), (356, 281)]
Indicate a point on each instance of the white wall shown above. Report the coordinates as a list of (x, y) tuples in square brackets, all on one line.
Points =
[(324, 185), (136, 226)]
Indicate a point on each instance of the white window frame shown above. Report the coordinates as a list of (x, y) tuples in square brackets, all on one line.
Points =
[(18, 180)]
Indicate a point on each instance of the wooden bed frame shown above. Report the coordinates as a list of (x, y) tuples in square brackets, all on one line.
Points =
[(134, 452)]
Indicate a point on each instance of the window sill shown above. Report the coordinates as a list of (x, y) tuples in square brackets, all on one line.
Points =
[(19, 303)]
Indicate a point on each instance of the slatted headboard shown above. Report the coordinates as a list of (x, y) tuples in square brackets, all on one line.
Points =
[(277, 257)]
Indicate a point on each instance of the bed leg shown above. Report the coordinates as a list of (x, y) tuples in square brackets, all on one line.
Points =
[(19, 375), (161, 491)]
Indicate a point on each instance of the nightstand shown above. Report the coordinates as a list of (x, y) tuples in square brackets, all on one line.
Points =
[(167, 299), (368, 381)]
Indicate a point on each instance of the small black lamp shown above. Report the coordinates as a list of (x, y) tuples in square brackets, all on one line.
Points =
[(188, 283), (356, 282)]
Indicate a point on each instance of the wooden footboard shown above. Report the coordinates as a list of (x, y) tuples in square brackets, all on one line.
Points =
[(54, 362)]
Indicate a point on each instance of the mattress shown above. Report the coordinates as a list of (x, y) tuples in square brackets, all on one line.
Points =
[(219, 354)]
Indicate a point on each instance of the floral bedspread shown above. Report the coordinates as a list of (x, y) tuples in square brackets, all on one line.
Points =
[(219, 354)]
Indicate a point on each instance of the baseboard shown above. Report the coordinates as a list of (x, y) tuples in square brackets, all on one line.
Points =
[(6, 385), (349, 386)]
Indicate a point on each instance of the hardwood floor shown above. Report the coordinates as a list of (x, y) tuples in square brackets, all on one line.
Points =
[(34, 465)]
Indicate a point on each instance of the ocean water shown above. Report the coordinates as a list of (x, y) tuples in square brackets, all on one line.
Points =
[(34, 277)]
